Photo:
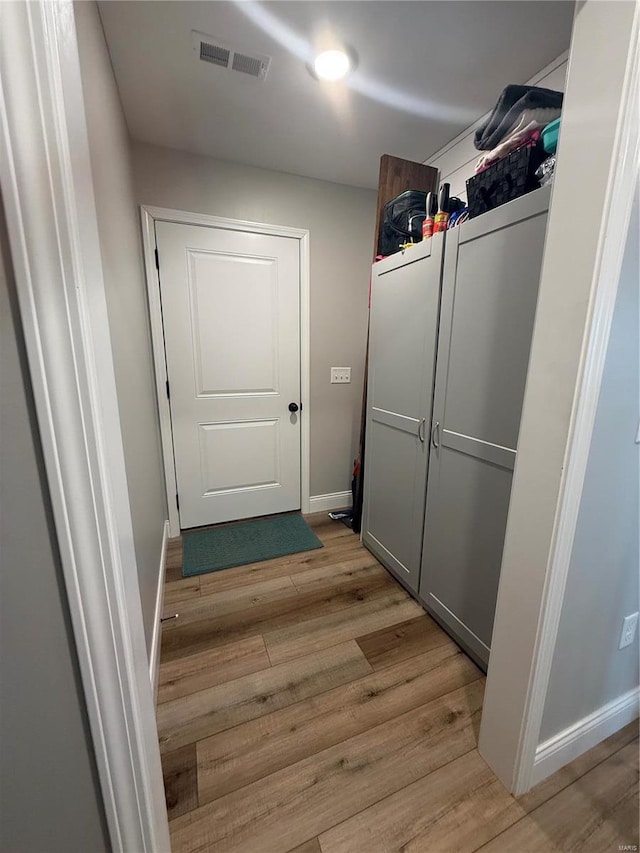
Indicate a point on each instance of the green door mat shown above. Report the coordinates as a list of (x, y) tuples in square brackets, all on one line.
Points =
[(246, 542)]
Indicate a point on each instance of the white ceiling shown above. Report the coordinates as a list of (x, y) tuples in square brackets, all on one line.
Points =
[(426, 70)]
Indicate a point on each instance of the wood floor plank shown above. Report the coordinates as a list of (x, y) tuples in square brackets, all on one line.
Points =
[(213, 666), (400, 642), (603, 809), (460, 807), (232, 759), (240, 575), (174, 549), (312, 846), (322, 525), (361, 569), (199, 715), (180, 590), (335, 532), (455, 808), (299, 639), (217, 604), (180, 780), (173, 559), (301, 801), (292, 609), (173, 570), (321, 517)]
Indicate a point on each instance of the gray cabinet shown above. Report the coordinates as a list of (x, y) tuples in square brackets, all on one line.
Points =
[(490, 287), (405, 297), (452, 319)]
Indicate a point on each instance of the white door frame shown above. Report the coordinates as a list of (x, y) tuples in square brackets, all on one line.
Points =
[(47, 191), (150, 215)]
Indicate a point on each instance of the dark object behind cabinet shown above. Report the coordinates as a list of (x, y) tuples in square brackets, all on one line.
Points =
[(402, 220)]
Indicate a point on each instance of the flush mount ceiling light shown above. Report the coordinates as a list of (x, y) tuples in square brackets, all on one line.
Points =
[(332, 65)]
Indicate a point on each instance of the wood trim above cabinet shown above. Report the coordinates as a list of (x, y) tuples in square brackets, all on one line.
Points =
[(397, 176)]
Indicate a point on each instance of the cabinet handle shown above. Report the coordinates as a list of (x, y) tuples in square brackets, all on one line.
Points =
[(421, 426), (435, 434)]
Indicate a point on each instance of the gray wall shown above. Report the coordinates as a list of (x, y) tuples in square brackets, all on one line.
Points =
[(341, 221), (49, 796), (120, 244), (588, 670)]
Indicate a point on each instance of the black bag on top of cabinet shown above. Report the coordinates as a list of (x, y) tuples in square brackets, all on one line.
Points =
[(508, 178), (402, 221)]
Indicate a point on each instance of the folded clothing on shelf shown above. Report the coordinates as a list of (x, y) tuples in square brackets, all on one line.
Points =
[(516, 104), (528, 134)]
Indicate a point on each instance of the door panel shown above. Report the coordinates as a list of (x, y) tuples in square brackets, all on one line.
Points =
[(224, 463), (470, 518), (246, 299), (404, 323), (489, 295), (487, 365), (231, 306), (390, 519)]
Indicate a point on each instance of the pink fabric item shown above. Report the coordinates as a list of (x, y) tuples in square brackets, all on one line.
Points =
[(507, 147), (527, 123)]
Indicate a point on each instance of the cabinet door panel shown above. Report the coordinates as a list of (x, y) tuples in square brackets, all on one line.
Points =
[(490, 287), (404, 322), (464, 556), (496, 290)]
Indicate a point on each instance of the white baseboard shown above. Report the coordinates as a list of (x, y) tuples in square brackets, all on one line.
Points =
[(154, 657), (335, 500), (585, 734)]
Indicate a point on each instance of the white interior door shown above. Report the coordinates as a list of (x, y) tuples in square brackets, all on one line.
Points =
[(231, 315)]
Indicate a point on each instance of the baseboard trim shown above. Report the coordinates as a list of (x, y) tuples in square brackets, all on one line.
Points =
[(585, 734), (154, 657), (335, 500)]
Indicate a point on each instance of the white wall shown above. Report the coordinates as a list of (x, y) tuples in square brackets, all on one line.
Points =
[(341, 220), (125, 289), (588, 670), (457, 160), (50, 799)]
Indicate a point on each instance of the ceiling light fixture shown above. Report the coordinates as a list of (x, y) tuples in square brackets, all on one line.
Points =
[(332, 65)]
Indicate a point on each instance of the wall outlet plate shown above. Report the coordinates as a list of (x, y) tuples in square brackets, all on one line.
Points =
[(340, 375), (628, 633)]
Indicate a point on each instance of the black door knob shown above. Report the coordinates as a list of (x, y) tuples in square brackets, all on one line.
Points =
[(293, 407)]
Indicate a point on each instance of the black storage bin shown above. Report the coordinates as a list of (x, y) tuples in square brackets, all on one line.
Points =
[(402, 219), (509, 178)]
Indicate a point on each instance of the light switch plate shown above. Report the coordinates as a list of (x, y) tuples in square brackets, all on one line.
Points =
[(628, 633), (340, 375)]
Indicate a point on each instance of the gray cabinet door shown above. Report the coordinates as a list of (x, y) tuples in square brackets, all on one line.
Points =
[(490, 287), (405, 296)]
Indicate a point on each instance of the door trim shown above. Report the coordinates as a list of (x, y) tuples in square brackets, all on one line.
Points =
[(150, 215)]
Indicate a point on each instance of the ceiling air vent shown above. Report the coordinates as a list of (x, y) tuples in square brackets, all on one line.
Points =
[(214, 53), (217, 52)]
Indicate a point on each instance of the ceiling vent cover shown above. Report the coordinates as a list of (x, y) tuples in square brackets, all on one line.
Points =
[(216, 52)]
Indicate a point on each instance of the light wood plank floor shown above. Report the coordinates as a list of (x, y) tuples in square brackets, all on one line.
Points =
[(308, 704)]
